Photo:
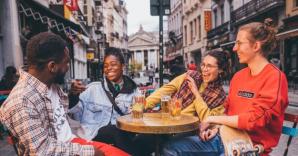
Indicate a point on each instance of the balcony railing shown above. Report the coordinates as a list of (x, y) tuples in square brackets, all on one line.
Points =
[(218, 30), (254, 7)]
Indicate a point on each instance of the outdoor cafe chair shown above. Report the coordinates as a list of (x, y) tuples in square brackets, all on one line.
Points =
[(290, 131)]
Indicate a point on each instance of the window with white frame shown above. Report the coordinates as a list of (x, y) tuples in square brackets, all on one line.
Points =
[(191, 32)]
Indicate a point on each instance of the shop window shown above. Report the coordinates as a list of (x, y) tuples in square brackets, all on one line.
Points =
[(222, 12), (191, 32), (185, 35), (215, 17), (200, 27)]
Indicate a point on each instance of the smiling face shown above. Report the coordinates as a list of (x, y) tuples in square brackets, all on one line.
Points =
[(244, 47), (209, 68), (113, 69)]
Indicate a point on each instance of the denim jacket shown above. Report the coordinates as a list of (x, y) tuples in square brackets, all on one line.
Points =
[(94, 109)]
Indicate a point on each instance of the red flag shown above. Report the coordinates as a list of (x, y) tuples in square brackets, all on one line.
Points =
[(72, 5)]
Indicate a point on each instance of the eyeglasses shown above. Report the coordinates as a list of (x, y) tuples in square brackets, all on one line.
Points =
[(207, 66), (238, 43)]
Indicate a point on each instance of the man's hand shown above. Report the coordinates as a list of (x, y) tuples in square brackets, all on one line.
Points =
[(208, 134), (98, 152), (77, 87)]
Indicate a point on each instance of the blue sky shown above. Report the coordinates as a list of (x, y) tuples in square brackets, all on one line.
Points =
[(139, 13)]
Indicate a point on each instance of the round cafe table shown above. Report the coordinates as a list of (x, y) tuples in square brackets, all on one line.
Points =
[(155, 123)]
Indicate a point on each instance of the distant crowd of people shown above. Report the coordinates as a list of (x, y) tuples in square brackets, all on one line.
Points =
[(43, 120)]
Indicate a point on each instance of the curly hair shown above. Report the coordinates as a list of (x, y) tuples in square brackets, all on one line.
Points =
[(45, 47), (115, 52), (262, 32)]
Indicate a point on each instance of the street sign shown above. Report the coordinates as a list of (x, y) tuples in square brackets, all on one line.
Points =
[(154, 7), (207, 20), (90, 56)]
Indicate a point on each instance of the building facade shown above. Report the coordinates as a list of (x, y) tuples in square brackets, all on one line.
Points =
[(257, 11), (229, 15), (222, 36), (195, 15), (80, 22), (174, 45), (288, 36), (144, 49), (11, 53)]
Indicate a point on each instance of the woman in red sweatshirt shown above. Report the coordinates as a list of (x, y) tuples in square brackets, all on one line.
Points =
[(257, 99)]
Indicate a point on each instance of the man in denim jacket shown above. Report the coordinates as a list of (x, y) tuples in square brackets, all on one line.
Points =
[(95, 110)]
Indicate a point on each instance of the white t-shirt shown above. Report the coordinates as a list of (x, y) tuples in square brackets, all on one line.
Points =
[(61, 124)]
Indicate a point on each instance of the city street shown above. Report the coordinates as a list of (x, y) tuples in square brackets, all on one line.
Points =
[(56, 40), (7, 150)]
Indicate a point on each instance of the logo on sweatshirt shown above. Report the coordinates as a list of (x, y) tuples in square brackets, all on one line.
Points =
[(246, 94)]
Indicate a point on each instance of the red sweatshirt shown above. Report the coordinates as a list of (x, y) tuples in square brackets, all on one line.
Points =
[(260, 102)]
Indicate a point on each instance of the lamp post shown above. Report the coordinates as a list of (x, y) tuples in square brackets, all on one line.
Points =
[(160, 8)]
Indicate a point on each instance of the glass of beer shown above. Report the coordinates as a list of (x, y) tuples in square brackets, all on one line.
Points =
[(175, 108), (138, 106), (164, 104)]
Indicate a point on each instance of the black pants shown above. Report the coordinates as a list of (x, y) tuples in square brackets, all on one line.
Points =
[(110, 134)]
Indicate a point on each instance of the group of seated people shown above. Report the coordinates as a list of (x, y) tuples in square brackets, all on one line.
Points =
[(38, 115)]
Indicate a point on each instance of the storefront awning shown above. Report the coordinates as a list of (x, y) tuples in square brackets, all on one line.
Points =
[(39, 12), (287, 34), (167, 59), (84, 38)]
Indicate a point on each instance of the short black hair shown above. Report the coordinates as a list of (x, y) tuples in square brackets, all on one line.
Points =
[(115, 52), (45, 47)]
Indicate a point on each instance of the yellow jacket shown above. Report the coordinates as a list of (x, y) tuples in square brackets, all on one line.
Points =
[(197, 108)]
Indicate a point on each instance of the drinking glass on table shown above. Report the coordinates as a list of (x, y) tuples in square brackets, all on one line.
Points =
[(175, 108), (164, 104), (138, 106)]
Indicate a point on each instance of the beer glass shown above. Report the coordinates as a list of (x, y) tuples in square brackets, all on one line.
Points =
[(164, 104), (175, 108), (138, 106)]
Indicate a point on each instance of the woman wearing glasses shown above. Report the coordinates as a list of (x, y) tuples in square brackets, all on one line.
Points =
[(201, 91), (256, 102)]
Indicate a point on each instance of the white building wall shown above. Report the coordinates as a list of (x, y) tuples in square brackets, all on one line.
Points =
[(10, 48), (139, 57), (191, 11), (152, 55), (80, 61)]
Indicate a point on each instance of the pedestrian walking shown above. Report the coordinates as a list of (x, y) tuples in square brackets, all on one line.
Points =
[(192, 66), (151, 74)]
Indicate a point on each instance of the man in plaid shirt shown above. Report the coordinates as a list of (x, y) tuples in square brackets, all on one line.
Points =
[(35, 111)]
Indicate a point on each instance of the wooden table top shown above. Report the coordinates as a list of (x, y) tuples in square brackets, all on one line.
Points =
[(153, 123)]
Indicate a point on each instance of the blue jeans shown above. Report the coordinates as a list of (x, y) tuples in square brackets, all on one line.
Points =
[(193, 145)]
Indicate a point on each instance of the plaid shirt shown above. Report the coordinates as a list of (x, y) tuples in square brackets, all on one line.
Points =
[(213, 95), (28, 114)]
